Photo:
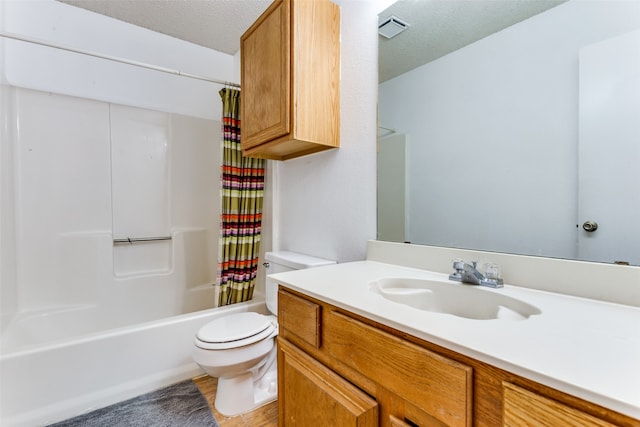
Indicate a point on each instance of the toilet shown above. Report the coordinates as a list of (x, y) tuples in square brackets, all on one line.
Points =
[(240, 349)]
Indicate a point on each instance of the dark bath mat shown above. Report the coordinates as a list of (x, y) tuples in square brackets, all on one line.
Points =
[(179, 405)]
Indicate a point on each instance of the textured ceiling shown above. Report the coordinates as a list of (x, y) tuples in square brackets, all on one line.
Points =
[(216, 24), (437, 27)]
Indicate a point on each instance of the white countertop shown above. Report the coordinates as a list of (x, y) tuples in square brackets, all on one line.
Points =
[(587, 348)]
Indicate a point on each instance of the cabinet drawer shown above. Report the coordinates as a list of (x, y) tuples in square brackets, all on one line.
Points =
[(300, 317), (439, 386), (524, 408)]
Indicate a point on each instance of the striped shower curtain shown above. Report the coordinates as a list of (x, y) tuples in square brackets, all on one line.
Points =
[(241, 218)]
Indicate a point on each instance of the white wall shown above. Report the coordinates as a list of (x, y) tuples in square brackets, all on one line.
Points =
[(35, 67), (326, 203), (494, 132)]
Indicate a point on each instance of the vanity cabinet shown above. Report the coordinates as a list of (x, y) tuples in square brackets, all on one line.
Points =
[(341, 369), (290, 75), (322, 350)]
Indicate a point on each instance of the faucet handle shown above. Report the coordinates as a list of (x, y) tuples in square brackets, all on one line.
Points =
[(492, 270), (458, 266)]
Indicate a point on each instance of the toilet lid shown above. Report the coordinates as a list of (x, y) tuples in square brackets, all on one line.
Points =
[(235, 330)]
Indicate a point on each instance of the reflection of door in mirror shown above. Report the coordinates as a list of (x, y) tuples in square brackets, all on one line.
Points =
[(494, 134), (609, 152), (392, 187)]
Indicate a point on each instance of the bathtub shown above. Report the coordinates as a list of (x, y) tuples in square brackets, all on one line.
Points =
[(65, 377)]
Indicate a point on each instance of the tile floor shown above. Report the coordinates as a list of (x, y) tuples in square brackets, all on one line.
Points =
[(265, 416)]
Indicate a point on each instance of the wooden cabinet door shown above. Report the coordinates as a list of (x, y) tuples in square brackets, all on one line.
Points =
[(310, 394), (266, 77), (523, 408)]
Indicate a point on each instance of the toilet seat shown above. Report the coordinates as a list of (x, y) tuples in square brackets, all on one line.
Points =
[(235, 330)]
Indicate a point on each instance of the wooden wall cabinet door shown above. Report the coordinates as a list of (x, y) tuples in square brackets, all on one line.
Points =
[(290, 75), (311, 395)]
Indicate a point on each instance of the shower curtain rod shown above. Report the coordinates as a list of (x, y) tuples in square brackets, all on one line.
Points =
[(116, 59)]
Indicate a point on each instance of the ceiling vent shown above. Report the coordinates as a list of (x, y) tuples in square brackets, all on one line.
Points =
[(391, 27)]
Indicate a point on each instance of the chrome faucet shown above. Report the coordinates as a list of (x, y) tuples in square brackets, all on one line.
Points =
[(468, 273)]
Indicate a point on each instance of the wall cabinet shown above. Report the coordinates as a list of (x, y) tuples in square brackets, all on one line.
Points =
[(290, 75), (338, 368)]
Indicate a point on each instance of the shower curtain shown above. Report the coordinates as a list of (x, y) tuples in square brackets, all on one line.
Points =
[(241, 218)]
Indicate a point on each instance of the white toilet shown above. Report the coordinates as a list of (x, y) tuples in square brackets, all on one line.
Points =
[(239, 349)]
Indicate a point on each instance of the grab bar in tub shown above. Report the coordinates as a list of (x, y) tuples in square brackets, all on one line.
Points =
[(132, 240)]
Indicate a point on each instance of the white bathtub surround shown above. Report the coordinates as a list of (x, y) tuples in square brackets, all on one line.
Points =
[(141, 146), (106, 150), (66, 215), (70, 282), (70, 377), (79, 322), (585, 347)]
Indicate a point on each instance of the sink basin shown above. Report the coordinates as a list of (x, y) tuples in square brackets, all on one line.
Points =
[(456, 299)]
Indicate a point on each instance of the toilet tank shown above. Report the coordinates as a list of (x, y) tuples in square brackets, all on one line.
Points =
[(281, 261)]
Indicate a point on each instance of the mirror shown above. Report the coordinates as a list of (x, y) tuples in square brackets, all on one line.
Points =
[(512, 133)]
